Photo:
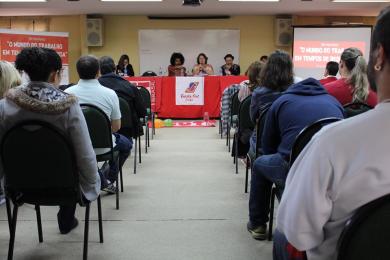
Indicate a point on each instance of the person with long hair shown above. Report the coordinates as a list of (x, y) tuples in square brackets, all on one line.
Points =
[(202, 68), (40, 99), (353, 85), (124, 68), (177, 65), (9, 77), (344, 166), (275, 77)]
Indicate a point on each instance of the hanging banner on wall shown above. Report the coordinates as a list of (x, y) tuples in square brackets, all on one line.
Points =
[(11, 43), (190, 91)]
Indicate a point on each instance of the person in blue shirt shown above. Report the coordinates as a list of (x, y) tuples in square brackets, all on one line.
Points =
[(299, 106)]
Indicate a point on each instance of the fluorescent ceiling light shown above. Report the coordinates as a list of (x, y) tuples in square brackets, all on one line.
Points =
[(131, 0), (249, 0), (361, 1), (22, 1)]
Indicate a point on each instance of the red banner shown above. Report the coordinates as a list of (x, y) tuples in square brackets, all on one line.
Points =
[(12, 42)]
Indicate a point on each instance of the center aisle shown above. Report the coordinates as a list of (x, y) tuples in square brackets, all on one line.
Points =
[(185, 202)]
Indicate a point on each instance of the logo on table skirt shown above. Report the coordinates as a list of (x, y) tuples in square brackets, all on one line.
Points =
[(192, 87), (189, 91)]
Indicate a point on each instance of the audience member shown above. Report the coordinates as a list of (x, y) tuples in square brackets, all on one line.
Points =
[(264, 59), (126, 90), (176, 68), (353, 85), (275, 78), (334, 176), (9, 77), (250, 85), (331, 70), (299, 106), (229, 68), (41, 100), (226, 101), (89, 91), (124, 68), (202, 68)]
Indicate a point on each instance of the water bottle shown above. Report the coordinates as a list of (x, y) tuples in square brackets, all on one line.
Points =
[(206, 118), (160, 72)]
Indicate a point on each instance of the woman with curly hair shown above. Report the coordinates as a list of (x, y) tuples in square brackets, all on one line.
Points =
[(176, 68)]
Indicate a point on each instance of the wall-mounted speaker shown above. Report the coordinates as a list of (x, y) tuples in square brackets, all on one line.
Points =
[(283, 31), (94, 32)]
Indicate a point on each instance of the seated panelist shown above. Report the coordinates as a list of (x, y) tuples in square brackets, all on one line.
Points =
[(202, 68), (176, 68)]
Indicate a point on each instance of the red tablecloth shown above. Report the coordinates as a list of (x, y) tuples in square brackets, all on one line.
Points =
[(163, 92)]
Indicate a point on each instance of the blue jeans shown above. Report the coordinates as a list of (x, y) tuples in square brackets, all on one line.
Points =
[(280, 246), (267, 169), (123, 145)]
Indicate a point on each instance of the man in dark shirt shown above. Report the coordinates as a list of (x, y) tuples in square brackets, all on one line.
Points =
[(126, 90)]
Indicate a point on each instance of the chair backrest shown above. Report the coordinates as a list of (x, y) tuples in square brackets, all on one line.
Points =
[(367, 234), (39, 165), (244, 119), (126, 119), (355, 108), (234, 104), (99, 126), (304, 137), (146, 97), (149, 73), (260, 126)]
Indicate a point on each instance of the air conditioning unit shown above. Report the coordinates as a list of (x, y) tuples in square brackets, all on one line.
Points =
[(283, 31), (94, 32)]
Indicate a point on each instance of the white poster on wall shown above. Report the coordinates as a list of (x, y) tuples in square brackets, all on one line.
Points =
[(157, 46), (190, 91)]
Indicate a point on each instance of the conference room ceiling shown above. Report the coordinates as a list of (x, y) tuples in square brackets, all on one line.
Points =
[(209, 7)]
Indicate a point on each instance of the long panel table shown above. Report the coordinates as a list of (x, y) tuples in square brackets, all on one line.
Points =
[(163, 92)]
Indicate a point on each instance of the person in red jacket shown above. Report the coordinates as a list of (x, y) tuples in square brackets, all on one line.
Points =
[(353, 85), (331, 70)]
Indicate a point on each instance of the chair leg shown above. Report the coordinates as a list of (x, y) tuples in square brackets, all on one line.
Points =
[(147, 125), (139, 149), (234, 146), (39, 223), (248, 164), (146, 138), (228, 134), (99, 206), (13, 232), (9, 215), (121, 177), (236, 153), (117, 193), (153, 125), (271, 216), (86, 232), (135, 154)]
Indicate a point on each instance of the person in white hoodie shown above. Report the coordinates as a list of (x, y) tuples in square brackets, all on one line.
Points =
[(345, 166), (40, 99)]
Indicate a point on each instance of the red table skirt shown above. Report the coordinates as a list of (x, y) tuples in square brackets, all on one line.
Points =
[(163, 91)]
